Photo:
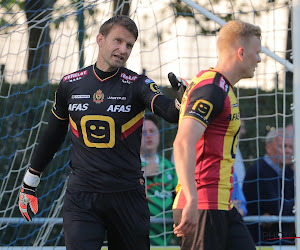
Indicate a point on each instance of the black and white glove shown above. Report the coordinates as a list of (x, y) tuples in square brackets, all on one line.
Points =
[(28, 202), (179, 86)]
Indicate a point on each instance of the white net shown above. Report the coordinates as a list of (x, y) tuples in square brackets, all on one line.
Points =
[(41, 41)]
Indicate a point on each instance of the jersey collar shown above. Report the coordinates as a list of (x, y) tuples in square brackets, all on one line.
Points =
[(102, 75)]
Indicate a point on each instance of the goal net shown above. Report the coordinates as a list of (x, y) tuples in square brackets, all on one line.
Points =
[(43, 40)]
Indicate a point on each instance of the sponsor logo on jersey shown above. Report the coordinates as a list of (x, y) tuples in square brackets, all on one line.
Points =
[(78, 106), (233, 117), (203, 108), (80, 96), (119, 108), (222, 84), (77, 75), (127, 78), (123, 98), (98, 131), (148, 80), (154, 87), (98, 97)]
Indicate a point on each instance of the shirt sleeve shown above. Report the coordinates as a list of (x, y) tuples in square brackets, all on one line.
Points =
[(204, 103), (60, 106), (147, 91)]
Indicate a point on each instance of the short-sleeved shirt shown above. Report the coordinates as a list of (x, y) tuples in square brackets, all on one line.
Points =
[(106, 117), (210, 100)]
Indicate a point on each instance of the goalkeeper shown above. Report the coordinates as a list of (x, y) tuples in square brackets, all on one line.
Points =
[(104, 105)]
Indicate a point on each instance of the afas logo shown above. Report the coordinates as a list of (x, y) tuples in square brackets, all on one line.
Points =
[(119, 108), (78, 106)]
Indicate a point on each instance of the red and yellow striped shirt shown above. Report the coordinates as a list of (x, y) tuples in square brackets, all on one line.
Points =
[(210, 100)]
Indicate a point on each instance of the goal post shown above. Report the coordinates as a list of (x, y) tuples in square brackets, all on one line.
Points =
[(174, 36), (296, 83)]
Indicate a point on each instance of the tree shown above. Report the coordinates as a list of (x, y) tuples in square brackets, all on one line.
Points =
[(38, 15)]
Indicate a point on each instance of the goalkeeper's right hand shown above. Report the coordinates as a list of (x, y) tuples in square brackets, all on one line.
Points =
[(28, 203), (179, 86)]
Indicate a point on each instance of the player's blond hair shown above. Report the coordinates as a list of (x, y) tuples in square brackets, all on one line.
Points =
[(235, 33)]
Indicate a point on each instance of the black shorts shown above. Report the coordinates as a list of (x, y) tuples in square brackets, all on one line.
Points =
[(217, 230), (123, 216)]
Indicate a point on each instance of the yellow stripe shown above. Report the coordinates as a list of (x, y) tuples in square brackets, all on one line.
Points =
[(102, 80), (73, 123), (227, 162), (54, 106), (134, 120), (152, 109), (178, 190), (58, 116)]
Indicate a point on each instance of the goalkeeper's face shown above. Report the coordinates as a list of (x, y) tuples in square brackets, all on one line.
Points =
[(115, 48)]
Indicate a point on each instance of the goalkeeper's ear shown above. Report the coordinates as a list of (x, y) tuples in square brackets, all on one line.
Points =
[(178, 85)]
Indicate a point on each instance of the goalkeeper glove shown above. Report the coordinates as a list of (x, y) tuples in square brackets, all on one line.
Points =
[(28, 203), (179, 86)]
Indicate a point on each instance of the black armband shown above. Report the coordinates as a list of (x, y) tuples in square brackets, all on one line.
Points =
[(50, 142), (165, 108)]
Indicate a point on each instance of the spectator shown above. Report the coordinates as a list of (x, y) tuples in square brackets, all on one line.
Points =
[(161, 181), (263, 186), (290, 128)]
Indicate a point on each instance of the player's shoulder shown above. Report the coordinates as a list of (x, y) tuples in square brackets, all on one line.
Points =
[(211, 79), (78, 75), (133, 77)]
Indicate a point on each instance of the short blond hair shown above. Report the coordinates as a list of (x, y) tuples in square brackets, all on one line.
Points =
[(236, 32)]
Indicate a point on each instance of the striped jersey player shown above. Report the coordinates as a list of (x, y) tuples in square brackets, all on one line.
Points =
[(205, 146), (210, 100)]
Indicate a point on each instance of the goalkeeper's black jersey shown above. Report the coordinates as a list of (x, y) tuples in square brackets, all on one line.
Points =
[(106, 117)]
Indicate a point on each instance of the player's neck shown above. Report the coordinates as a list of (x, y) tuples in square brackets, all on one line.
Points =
[(103, 74)]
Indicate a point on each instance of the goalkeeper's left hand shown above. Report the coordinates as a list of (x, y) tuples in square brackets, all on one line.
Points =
[(179, 86), (28, 202)]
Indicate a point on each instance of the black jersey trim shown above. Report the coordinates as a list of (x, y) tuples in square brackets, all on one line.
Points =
[(196, 119), (102, 80)]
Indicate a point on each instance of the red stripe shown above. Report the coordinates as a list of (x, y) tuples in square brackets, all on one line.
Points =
[(75, 132), (132, 129)]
